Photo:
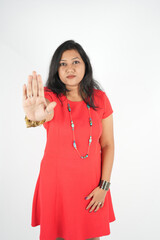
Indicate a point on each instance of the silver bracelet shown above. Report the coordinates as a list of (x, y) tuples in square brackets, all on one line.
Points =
[(104, 185)]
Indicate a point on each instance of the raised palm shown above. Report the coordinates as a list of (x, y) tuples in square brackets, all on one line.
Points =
[(35, 105)]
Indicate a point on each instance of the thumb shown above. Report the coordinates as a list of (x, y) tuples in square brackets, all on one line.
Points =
[(50, 107), (53, 104)]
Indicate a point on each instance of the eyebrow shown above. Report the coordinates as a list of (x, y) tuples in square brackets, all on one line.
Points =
[(72, 59)]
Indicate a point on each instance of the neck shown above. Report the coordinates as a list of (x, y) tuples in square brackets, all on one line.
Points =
[(74, 94)]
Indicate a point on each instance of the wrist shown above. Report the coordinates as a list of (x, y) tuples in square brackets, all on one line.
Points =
[(105, 185), (30, 123)]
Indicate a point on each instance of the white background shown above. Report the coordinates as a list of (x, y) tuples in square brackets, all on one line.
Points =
[(122, 40)]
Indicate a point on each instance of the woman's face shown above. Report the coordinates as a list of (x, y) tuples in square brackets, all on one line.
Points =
[(71, 63)]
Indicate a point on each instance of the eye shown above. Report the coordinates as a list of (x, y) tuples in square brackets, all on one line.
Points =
[(61, 64), (76, 61)]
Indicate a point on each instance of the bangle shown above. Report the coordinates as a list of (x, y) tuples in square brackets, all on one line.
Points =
[(104, 185), (30, 123)]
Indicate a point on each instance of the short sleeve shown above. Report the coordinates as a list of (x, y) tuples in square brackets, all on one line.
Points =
[(107, 108)]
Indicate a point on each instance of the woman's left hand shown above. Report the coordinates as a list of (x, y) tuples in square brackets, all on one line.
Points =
[(98, 195)]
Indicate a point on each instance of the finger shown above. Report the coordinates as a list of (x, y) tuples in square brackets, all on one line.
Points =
[(90, 204), (24, 92), (34, 84), (40, 86), (93, 207), (98, 206), (102, 205), (29, 86)]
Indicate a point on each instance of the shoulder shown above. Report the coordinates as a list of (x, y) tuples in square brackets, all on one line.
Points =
[(49, 94), (98, 94), (98, 91), (46, 89), (102, 99)]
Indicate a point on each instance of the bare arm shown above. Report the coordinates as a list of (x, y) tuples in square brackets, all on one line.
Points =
[(107, 147)]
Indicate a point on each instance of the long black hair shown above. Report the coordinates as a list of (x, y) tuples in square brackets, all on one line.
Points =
[(87, 84)]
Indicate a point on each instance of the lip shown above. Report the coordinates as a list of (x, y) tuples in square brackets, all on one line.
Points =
[(71, 76)]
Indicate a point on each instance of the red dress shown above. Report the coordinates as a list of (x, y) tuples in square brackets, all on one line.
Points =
[(65, 179)]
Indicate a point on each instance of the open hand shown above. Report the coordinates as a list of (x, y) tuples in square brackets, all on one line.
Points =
[(35, 105), (98, 195)]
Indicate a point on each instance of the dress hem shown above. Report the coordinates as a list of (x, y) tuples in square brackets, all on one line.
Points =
[(106, 233)]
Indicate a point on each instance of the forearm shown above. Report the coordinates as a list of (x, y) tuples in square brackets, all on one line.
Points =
[(107, 155)]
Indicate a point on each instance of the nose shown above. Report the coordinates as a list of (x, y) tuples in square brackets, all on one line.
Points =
[(70, 68)]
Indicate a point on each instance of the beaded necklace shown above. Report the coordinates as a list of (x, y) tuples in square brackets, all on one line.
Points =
[(72, 126)]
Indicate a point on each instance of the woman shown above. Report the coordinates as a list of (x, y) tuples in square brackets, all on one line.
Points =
[(79, 152)]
